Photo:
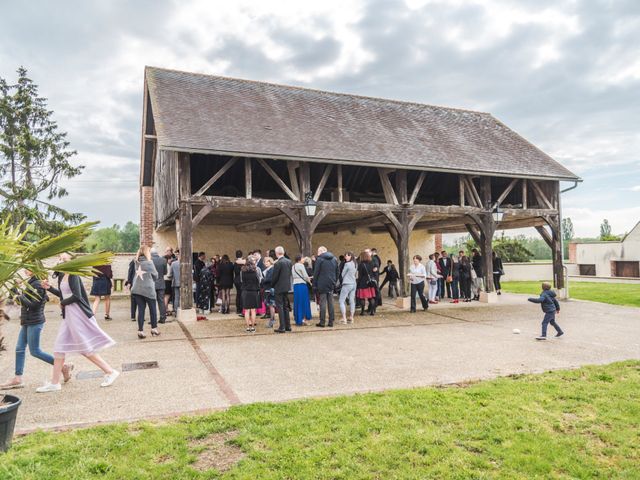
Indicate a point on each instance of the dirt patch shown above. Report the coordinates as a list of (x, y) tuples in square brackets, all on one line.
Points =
[(216, 452), (164, 459)]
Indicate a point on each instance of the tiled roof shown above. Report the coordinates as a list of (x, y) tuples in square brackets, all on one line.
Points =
[(202, 113)]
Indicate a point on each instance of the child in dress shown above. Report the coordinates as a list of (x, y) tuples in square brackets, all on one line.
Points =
[(79, 332)]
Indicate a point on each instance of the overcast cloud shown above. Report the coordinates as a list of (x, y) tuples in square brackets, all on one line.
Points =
[(564, 74)]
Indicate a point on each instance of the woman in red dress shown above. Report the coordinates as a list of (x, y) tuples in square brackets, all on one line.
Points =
[(366, 289)]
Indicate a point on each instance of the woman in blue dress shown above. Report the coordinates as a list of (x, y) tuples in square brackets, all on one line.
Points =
[(301, 303)]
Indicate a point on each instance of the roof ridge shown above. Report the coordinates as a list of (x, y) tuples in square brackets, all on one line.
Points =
[(317, 90)]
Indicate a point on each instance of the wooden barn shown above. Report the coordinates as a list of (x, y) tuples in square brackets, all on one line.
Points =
[(229, 160)]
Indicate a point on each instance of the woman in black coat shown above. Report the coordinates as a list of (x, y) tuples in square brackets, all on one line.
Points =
[(250, 291), (225, 280), (464, 272)]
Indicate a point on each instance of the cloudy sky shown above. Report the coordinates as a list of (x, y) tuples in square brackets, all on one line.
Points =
[(563, 73)]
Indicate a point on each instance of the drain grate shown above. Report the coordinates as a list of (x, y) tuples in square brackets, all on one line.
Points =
[(127, 367)]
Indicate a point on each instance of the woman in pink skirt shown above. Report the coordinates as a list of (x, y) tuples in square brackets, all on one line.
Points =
[(79, 332)]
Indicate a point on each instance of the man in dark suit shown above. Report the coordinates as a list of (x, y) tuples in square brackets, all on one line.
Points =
[(445, 268), (325, 275), (281, 284)]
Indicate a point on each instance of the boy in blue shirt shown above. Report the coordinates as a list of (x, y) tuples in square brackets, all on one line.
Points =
[(550, 307)]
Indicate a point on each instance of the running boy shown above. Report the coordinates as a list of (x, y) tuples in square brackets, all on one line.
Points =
[(550, 307)]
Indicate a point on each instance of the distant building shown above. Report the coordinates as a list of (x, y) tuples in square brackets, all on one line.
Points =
[(609, 259)]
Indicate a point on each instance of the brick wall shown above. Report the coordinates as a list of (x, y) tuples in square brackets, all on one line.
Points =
[(438, 242), (146, 216), (573, 248)]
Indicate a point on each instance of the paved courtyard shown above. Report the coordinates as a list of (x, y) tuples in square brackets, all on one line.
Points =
[(214, 364)]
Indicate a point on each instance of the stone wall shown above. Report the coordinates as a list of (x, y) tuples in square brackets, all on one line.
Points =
[(213, 240), (533, 271)]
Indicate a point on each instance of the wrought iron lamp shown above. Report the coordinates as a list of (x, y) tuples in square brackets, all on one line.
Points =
[(498, 215), (310, 205)]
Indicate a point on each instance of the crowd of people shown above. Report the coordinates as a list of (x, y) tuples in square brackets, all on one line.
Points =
[(263, 283)]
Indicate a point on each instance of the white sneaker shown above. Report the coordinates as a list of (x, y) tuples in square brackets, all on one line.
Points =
[(109, 379), (49, 387)]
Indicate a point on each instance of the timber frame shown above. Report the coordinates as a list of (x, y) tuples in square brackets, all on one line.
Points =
[(246, 154), (400, 205)]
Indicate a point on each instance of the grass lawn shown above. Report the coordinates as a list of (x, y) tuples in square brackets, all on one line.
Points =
[(566, 424), (614, 293)]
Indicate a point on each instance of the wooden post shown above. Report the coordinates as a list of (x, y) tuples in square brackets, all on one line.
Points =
[(401, 187), (305, 179), (400, 230), (403, 253), (487, 231), (553, 240), (305, 234), (247, 178), (486, 250), (186, 267)]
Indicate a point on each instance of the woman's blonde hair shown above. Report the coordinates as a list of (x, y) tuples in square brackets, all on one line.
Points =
[(145, 251), (268, 261)]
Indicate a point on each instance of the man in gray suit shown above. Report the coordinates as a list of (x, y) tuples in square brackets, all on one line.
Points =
[(281, 284), (161, 267)]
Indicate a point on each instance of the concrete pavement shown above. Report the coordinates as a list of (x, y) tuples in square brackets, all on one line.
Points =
[(214, 364)]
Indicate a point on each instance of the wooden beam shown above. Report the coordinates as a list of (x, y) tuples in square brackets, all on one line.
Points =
[(417, 187), (394, 220), (275, 221), (340, 192), (434, 225), (461, 189), (473, 231), (473, 192), (546, 236), (323, 181), (248, 178), (349, 224), (293, 178), (387, 188), (525, 194), (239, 202), (504, 225), (277, 179), (204, 211), (217, 175), (319, 216), (541, 195), (529, 212), (504, 194), (415, 218)]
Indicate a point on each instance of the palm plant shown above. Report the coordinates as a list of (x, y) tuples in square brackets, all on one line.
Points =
[(18, 254)]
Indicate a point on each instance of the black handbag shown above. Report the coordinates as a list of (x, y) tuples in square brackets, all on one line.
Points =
[(372, 283)]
